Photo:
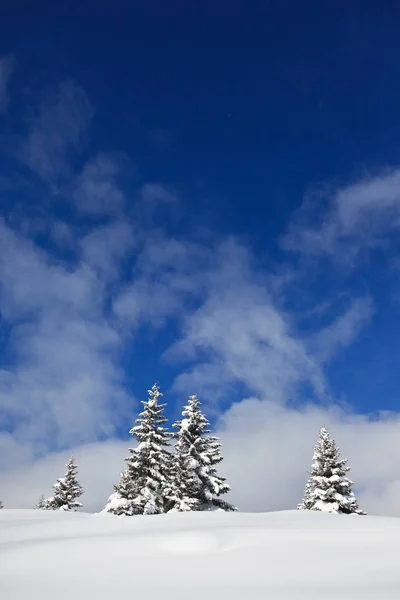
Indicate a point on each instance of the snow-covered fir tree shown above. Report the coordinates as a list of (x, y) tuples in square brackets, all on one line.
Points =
[(196, 483), (41, 505), (66, 491), (328, 489), (184, 481), (1, 504), (145, 485), (121, 502)]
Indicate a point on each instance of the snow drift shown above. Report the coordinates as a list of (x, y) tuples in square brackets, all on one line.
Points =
[(287, 555)]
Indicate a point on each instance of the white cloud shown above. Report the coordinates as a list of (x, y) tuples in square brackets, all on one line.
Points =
[(342, 222), (6, 69), (55, 130), (63, 386)]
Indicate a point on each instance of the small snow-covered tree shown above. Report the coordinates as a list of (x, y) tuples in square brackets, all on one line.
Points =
[(145, 486), (1, 504), (66, 490), (328, 489), (121, 502), (41, 505), (196, 483)]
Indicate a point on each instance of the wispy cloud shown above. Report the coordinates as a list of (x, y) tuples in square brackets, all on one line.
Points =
[(340, 223), (233, 331), (155, 203), (343, 330), (6, 69), (240, 335), (55, 130), (168, 274), (104, 247), (97, 191)]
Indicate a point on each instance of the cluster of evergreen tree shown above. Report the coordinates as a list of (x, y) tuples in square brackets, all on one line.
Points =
[(156, 480), (160, 478)]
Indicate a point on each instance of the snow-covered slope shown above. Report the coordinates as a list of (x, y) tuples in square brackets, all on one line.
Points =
[(287, 555)]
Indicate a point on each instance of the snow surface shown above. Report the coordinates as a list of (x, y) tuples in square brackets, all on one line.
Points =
[(278, 556)]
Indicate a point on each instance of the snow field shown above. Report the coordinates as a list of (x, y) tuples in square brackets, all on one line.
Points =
[(286, 555)]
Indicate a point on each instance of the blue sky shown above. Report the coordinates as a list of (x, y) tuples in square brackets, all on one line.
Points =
[(209, 198)]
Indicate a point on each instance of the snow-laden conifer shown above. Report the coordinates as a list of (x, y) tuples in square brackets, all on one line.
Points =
[(66, 490), (184, 480), (145, 485), (121, 502), (328, 489), (1, 504), (196, 483), (41, 504)]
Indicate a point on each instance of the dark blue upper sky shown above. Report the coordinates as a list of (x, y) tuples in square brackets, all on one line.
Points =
[(238, 100), (241, 110)]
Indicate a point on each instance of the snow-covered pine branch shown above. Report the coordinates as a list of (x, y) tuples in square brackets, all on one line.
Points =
[(66, 491), (328, 489), (145, 486), (196, 483)]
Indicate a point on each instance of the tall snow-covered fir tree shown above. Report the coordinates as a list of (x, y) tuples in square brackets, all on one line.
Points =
[(328, 489), (196, 483), (145, 485), (66, 490), (184, 481)]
